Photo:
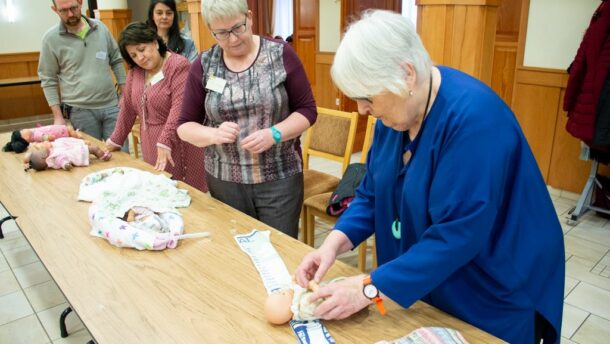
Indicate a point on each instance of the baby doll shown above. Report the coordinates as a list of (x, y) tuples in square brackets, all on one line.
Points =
[(20, 139), (65, 152), (293, 303)]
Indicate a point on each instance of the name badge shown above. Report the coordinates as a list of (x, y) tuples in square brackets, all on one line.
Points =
[(156, 78), (100, 55), (216, 84)]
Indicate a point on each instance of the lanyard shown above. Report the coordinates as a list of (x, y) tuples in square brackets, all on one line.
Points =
[(406, 153)]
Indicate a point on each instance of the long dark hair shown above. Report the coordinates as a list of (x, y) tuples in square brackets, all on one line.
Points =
[(175, 42), (138, 33)]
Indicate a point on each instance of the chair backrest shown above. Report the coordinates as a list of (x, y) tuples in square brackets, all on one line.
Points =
[(331, 137), (368, 137)]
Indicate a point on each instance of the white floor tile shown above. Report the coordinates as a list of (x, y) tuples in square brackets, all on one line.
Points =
[(580, 269), (570, 283), (32, 274), (569, 195), (50, 321), (12, 241), (583, 248), (23, 331), (14, 306), (8, 283), (595, 330), (3, 264), (573, 317), (44, 296), (20, 256), (566, 341), (79, 337), (591, 299)]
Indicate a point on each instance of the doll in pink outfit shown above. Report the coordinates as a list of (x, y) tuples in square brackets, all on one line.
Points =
[(63, 153), (20, 139)]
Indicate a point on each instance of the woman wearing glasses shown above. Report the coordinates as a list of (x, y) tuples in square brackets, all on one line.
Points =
[(460, 213), (163, 18), (248, 100), (154, 90)]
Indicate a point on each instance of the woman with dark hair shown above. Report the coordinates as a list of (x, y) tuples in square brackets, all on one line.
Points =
[(153, 91), (162, 17)]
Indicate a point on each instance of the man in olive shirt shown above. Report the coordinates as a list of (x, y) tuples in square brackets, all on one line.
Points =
[(75, 61)]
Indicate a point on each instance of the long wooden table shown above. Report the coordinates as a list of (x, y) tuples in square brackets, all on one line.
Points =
[(203, 291), (26, 80)]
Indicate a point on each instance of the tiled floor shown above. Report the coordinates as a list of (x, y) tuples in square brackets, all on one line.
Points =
[(30, 302)]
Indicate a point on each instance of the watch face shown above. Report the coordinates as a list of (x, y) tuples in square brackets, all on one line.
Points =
[(370, 291)]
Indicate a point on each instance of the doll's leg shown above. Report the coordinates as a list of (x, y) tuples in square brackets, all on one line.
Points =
[(101, 154), (74, 133), (95, 150)]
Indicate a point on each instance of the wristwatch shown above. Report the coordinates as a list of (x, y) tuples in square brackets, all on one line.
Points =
[(277, 135), (372, 293)]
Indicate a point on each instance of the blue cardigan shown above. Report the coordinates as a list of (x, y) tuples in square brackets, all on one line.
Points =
[(479, 236)]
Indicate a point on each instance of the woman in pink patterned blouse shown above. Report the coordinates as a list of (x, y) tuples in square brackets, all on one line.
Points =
[(154, 89)]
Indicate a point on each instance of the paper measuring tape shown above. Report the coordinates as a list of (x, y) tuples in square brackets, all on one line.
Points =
[(275, 277)]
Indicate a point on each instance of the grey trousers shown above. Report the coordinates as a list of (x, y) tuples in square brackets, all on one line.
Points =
[(98, 123), (277, 204)]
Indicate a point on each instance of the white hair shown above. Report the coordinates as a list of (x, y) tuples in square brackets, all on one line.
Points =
[(370, 58), (212, 10)]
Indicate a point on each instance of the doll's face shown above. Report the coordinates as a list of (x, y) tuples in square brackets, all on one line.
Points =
[(277, 307), (26, 134), (38, 155)]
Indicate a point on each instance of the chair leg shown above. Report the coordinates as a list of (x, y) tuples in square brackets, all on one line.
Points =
[(310, 221), (302, 228), (62, 322), (136, 142), (374, 251), (362, 256)]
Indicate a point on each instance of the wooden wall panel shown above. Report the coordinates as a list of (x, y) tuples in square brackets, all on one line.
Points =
[(537, 103), (567, 172), (21, 101), (460, 34), (305, 40), (199, 28), (326, 93), (115, 20), (503, 70)]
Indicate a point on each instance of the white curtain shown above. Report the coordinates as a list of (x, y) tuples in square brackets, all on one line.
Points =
[(282, 18), (409, 10)]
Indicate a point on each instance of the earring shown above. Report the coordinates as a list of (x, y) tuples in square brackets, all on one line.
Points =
[(411, 93)]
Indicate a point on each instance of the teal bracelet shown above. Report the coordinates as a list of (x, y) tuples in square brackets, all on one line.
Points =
[(277, 135)]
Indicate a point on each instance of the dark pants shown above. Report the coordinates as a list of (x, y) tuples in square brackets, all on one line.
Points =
[(277, 204)]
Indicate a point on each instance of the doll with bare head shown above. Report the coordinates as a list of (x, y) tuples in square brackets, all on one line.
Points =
[(21, 139), (63, 153)]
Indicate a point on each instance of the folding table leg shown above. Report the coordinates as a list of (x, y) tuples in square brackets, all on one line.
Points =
[(10, 217), (62, 322)]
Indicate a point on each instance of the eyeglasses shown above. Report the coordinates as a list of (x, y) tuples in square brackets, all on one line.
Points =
[(64, 11), (362, 99), (236, 31)]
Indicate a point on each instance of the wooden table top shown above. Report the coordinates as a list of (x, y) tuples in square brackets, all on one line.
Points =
[(205, 290), (27, 80)]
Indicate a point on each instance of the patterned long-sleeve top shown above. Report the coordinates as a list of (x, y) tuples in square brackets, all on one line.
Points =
[(266, 93)]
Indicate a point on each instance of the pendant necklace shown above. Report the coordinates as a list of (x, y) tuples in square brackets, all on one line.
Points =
[(406, 157)]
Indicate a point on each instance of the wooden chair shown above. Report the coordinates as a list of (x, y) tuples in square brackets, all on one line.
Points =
[(331, 137), (135, 137), (315, 206)]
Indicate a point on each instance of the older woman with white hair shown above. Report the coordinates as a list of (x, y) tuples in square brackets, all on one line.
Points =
[(248, 101), (461, 215)]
